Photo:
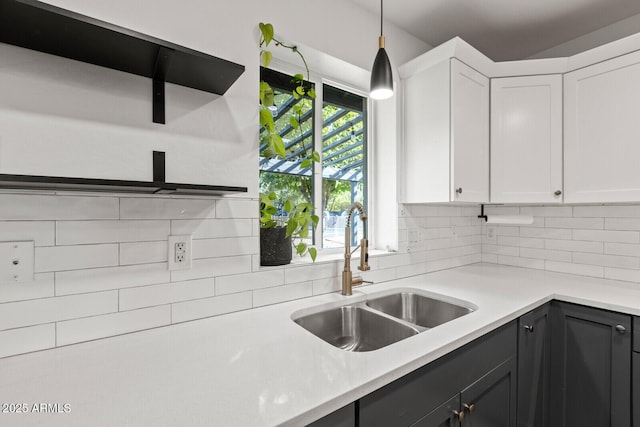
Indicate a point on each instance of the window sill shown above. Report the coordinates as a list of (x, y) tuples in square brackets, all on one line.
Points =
[(332, 255)]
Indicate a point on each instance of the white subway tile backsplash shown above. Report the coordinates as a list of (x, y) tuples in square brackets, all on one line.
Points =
[(41, 232), (41, 287), (83, 232), (607, 236), (521, 262), (213, 267), (100, 279), (325, 286), (207, 307), (214, 228), (549, 254), (574, 246), (90, 328), (622, 274), (622, 249), (50, 207), (47, 310), (213, 248), (606, 260), (157, 208), (25, 340), (165, 293), (584, 223), (278, 294), (60, 258), (236, 208), (607, 211), (545, 233), (622, 224), (547, 211), (312, 272), (143, 253), (249, 281), (571, 268)]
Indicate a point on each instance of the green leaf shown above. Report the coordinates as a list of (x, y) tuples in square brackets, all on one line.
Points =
[(300, 90), (315, 156), (313, 253), (278, 144), (315, 219), (266, 119), (297, 109), (287, 206), (266, 58), (297, 78), (295, 94), (266, 94), (267, 32), (293, 122), (300, 248), (305, 164), (292, 224), (311, 93)]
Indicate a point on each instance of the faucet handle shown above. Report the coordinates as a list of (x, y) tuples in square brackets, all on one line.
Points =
[(364, 255)]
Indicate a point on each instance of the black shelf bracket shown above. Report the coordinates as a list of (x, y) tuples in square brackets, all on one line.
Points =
[(163, 61), (482, 214), (158, 166)]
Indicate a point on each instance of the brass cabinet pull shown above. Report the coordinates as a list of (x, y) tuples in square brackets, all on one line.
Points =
[(621, 329), (469, 407), (529, 328), (459, 415)]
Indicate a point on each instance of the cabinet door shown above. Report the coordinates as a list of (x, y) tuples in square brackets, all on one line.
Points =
[(636, 390), (343, 417), (491, 401), (469, 134), (590, 367), (526, 139), (445, 415), (533, 368), (602, 131)]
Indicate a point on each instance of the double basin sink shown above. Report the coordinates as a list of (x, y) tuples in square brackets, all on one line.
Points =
[(381, 320)]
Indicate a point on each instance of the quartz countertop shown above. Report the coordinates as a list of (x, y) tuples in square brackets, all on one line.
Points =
[(259, 368)]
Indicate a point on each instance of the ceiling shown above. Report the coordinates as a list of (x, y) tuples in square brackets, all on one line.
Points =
[(503, 29)]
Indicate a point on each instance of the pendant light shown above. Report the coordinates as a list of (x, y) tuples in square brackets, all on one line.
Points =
[(381, 76)]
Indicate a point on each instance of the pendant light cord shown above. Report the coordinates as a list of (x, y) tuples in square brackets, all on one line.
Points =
[(381, 13)]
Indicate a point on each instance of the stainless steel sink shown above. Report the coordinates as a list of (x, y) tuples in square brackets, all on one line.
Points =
[(355, 328), (379, 321), (418, 309)]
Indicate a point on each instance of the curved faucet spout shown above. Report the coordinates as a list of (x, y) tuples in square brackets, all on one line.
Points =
[(348, 281)]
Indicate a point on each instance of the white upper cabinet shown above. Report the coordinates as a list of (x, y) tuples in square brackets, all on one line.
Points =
[(445, 144), (526, 139), (602, 132)]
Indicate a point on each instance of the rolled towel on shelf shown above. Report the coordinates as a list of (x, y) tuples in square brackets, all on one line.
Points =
[(510, 219)]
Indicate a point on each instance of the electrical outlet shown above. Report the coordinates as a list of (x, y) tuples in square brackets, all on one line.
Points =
[(179, 252)]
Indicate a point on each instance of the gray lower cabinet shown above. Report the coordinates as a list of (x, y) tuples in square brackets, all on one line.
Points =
[(635, 393), (590, 367), (534, 358), (475, 384), (343, 417)]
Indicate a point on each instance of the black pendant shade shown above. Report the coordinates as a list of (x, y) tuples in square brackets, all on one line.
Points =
[(381, 74)]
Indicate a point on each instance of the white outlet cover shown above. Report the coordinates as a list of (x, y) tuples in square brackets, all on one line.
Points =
[(173, 241), (16, 261)]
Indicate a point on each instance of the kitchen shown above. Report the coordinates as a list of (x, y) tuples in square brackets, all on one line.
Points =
[(106, 328)]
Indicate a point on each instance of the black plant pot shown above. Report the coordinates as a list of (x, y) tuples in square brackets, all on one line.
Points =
[(275, 248)]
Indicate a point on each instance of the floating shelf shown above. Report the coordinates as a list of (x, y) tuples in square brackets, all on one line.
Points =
[(34, 182), (39, 26)]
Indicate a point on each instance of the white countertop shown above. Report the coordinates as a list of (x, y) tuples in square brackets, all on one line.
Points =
[(259, 368)]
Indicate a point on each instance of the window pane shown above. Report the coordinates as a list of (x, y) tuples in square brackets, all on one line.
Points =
[(286, 176), (343, 163)]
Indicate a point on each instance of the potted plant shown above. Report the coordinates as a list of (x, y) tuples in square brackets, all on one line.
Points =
[(284, 224)]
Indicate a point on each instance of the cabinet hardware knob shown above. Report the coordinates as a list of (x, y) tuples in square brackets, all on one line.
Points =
[(459, 415), (469, 407), (557, 193), (459, 190), (621, 329), (529, 328)]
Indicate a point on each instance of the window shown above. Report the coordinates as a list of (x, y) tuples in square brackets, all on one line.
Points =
[(342, 172)]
